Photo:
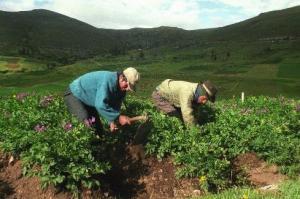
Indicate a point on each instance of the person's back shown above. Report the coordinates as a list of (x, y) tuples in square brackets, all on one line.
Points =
[(177, 92), (171, 95), (86, 86)]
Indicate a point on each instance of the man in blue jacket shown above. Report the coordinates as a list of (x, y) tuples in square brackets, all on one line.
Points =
[(101, 93)]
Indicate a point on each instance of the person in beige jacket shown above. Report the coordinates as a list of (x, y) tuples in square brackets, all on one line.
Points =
[(173, 96)]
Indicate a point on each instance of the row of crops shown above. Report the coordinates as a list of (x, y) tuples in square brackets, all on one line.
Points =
[(54, 146)]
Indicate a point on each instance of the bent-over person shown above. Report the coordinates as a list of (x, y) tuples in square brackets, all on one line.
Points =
[(177, 98), (101, 93)]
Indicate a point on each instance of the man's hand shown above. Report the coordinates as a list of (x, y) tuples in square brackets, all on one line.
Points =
[(113, 127), (123, 120)]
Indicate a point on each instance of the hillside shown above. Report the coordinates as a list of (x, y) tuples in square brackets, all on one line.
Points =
[(46, 34), (281, 24), (275, 24)]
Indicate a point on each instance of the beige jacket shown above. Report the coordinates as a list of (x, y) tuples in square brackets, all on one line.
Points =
[(181, 95)]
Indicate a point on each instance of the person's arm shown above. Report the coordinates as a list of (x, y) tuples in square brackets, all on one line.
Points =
[(109, 110), (103, 104), (186, 109), (123, 119)]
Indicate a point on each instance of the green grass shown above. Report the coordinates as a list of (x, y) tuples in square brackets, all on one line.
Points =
[(287, 190), (246, 70), (289, 70)]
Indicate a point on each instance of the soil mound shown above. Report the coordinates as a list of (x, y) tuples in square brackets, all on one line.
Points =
[(258, 172)]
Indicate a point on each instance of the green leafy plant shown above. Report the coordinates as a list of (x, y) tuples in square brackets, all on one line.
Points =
[(64, 152)]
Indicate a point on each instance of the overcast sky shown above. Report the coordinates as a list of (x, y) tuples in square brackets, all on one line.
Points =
[(125, 14)]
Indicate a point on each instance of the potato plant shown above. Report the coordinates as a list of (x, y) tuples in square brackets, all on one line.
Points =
[(51, 143), (62, 151), (267, 126)]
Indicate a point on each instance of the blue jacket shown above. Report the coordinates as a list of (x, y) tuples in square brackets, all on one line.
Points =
[(100, 89)]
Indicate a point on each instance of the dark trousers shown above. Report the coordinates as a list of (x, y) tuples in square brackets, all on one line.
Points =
[(82, 111)]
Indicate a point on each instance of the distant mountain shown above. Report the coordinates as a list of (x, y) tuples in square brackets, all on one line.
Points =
[(46, 34), (281, 23), (43, 32), (275, 24)]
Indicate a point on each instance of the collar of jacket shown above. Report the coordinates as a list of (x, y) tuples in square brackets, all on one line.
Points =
[(197, 93), (118, 76), (118, 85)]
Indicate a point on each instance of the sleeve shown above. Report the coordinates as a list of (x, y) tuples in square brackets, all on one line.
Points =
[(186, 108), (103, 104)]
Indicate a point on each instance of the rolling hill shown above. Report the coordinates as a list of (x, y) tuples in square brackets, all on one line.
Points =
[(43, 33), (49, 35)]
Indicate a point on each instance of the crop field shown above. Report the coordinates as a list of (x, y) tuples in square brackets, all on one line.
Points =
[(55, 150), (19, 64), (60, 151), (233, 75)]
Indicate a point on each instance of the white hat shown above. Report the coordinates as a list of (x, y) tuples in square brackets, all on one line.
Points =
[(132, 76)]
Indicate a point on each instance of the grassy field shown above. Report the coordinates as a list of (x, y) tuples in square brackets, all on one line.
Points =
[(9, 65), (235, 72), (287, 190)]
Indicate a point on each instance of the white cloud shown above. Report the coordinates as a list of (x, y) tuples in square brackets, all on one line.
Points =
[(128, 14), (124, 14), (16, 5), (254, 7), (219, 21)]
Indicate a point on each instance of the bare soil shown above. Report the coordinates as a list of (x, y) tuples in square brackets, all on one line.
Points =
[(258, 172), (131, 177), (12, 65)]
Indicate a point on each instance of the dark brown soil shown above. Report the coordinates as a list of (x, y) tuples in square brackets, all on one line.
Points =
[(14, 185), (129, 178), (133, 176)]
